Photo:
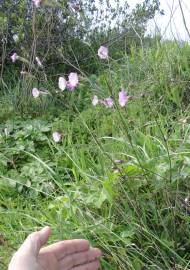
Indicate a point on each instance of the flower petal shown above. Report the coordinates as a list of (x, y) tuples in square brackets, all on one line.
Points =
[(62, 83), (37, 2), (103, 52), (15, 38), (123, 98), (56, 136), (35, 92), (14, 57), (70, 87), (95, 101), (108, 102), (73, 79)]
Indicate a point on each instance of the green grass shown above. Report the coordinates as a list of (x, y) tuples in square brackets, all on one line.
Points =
[(136, 211)]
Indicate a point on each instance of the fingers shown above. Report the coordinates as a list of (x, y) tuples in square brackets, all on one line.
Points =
[(89, 266), (64, 248), (80, 258), (35, 241)]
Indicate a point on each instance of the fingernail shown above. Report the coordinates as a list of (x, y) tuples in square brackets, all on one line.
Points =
[(98, 253), (47, 228)]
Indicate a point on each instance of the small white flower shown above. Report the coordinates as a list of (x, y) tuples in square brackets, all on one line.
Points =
[(62, 83), (14, 57), (95, 101), (15, 38), (73, 81), (37, 3), (103, 52), (186, 200), (35, 92), (56, 137)]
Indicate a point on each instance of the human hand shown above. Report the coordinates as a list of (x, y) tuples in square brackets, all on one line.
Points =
[(63, 255)]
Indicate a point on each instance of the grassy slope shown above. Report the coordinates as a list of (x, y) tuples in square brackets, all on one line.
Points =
[(136, 211)]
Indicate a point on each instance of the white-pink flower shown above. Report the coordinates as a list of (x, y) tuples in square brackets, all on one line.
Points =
[(38, 61), (73, 81), (62, 83), (95, 101), (103, 52), (15, 38), (14, 57), (35, 92), (123, 98), (37, 2), (56, 136), (108, 102)]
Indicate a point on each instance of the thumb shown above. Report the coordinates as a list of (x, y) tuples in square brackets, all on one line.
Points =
[(34, 242)]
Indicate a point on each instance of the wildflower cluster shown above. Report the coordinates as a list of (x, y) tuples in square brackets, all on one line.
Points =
[(71, 84), (73, 81), (109, 102)]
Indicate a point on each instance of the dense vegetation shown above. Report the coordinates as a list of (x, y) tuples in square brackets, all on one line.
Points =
[(117, 175)]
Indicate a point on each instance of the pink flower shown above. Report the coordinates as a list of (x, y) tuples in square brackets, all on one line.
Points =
[(35, 92), (70, 87), (37, 2), (95, 101), (73, 81), (62, 83), (123, 98), (14, 57), (108, 102), (56, 137), (103, 52), (38, 62)]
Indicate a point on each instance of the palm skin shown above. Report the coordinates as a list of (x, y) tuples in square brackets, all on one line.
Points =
[(64, 255)]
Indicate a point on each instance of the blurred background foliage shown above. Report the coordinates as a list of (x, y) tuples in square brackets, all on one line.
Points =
[(67, 33)]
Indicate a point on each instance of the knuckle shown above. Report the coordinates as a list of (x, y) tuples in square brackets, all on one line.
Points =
[(88, 257), (73, 260)]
